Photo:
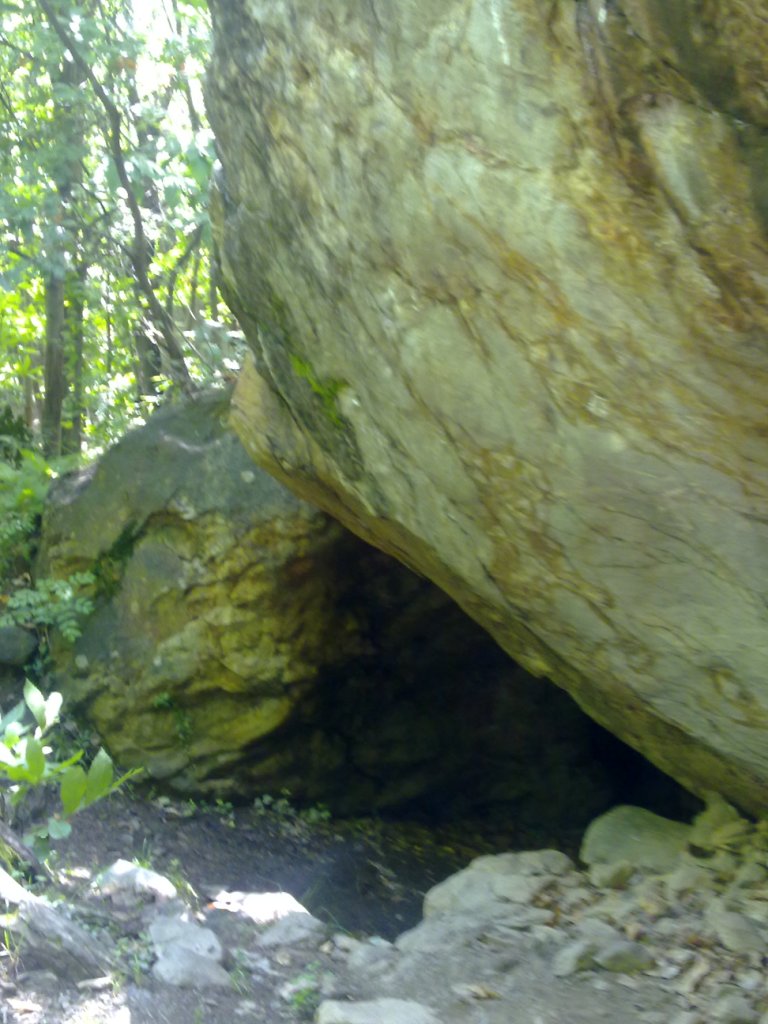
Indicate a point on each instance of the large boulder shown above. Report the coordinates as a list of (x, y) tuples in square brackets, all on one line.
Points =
[(503, 271), (243, 642)]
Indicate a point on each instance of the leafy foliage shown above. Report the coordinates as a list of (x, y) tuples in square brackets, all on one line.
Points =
[(108, 290), (24, 483), (14, 436), (52, 604), (26, 765), (47, 604)]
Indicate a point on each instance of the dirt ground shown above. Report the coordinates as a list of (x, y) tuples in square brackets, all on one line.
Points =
[(364, 877)]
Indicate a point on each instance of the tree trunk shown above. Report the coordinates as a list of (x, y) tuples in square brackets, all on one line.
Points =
[(54, 377), (64, 308), (149, 362), (72, 432), (213, 289)]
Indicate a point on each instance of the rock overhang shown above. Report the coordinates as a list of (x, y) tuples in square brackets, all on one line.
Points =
[(506, 322)]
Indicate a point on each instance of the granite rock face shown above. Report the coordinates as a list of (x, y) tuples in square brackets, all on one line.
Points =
[(503, 272), (245, 643)]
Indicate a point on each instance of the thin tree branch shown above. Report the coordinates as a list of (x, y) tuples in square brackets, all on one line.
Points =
[(26, 54), (194, 118), (192, 243)]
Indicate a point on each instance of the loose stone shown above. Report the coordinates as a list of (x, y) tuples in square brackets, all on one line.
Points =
[(624, 956), (636, 836), (376, 1011), (736, 931), (578, 956), (734, 1009)]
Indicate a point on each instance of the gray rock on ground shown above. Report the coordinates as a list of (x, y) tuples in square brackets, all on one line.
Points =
[(293, 930), (376, 1011), (188, 955), (124, 876), (575, 950)]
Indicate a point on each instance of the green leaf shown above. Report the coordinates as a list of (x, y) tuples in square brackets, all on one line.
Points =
[(58, 829), (35, 702), (100, 776), (13, 734), (63, 765), (37, 840), (172, 197), (73, 786), (35, 759), (52, 709), (126, 777), (111, 176), (13, 717), (7, 758)]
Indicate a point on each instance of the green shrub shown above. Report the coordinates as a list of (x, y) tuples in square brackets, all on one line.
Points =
[(48, 604), (26, 765), (24, 483), (14, 436)]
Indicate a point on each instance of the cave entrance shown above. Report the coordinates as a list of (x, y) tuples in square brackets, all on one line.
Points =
[(432, 720)]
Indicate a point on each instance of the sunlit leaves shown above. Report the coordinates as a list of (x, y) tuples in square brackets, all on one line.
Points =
[(63, 208), (28, 763)]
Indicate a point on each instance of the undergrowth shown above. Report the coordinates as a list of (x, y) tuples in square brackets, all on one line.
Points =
[(27, 764), (46, 604)]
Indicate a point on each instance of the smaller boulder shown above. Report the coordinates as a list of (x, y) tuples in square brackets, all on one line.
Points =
[(737, 932), (183, 933), (187, 969), (123, 876), (637, 837), (17, 646), (187, 955), (624, 957), (504, 878), (297, 929), (49, 939)]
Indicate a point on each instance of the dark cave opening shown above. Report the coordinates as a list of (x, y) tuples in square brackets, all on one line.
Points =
[(606, 772), (435, 722)]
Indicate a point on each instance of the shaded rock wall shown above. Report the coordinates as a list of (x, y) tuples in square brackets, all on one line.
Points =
[(503, 271), (17, 648), (243, 643)]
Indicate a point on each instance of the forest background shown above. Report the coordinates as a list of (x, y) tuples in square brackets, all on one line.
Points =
[(109, 304), (108, 290)]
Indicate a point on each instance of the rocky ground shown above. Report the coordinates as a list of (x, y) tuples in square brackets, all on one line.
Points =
[(203, 919)]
